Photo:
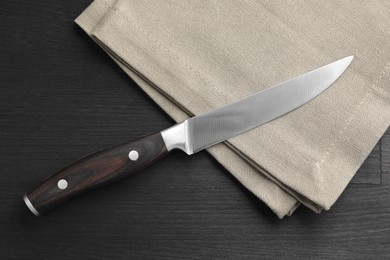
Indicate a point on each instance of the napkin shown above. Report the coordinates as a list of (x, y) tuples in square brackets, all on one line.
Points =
[(194, 56)]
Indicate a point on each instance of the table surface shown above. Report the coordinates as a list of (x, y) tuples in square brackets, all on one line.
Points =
[(62, 97)]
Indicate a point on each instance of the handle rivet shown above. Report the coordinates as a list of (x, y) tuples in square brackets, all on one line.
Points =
[(62, 184), (133, 155)]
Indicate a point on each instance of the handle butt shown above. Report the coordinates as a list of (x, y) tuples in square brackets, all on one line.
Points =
[(30, 206)]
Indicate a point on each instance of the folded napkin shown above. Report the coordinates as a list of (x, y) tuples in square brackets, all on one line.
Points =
[(194, 56)]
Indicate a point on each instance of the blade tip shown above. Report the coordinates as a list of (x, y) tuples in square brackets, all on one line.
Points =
[(344, 63), (349, 59)]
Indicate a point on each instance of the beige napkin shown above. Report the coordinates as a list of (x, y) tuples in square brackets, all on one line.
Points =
[(194, 56)]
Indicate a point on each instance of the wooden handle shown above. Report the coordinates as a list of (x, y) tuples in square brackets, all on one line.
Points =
[(95, 170)]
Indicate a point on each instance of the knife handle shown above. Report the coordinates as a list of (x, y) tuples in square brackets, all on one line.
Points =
[(95, 170)]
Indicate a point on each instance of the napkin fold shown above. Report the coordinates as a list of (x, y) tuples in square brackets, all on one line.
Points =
[(194, 56)]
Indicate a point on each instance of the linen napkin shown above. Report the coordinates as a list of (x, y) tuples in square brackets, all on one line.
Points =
[(194, 56)]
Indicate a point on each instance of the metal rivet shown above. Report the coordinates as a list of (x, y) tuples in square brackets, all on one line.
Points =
[(133, 155), (62, 184)]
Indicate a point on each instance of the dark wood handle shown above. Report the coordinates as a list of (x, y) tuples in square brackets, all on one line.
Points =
[(95, 170)]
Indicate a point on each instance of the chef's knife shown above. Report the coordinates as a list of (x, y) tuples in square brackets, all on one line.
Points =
[(190, 136)]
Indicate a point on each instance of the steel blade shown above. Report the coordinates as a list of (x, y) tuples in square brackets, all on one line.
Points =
[(226, 122)]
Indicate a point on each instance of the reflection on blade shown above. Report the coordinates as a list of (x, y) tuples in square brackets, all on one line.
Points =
[(234, 119)]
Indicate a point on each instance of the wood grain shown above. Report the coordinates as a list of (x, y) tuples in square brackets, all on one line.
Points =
[(62, 97), (96, 170)]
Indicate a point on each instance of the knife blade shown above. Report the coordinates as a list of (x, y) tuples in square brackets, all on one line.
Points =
[(191, 136)]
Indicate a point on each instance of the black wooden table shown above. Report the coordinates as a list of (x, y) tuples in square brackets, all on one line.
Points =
[(63, 97)]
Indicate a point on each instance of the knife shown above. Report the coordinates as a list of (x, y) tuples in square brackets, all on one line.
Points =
[(191, 136)]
